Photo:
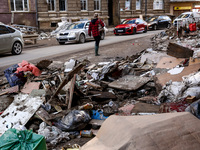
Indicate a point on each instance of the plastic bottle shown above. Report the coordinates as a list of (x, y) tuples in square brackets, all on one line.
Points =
[(86, 106), (86, 133)]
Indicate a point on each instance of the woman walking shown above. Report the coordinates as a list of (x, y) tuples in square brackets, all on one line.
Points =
[(96, 33)]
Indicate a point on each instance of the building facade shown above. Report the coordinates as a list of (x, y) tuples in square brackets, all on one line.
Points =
[(50, 12), (45, 14), (21, 12), (143, 8), (179, 6)]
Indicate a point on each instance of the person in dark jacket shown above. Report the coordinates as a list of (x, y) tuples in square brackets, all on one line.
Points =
[(94, 28)]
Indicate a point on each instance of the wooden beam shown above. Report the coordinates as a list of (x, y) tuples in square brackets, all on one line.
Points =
[(68, 78), (71, 91)]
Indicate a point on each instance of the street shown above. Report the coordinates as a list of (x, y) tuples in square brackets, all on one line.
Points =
[(60, 50)]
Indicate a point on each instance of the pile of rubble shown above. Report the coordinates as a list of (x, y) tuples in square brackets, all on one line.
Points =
[(65, 100)]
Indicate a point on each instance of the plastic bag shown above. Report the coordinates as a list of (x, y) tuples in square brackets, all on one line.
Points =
[(194, 108), (75, 120), (22, 140)]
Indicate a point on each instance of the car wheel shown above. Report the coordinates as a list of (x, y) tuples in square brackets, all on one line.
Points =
[(134, 31), (155, 27), (145, 30), (102, 36), (116, 34), (17, 48), (82, 38), (61, 43)]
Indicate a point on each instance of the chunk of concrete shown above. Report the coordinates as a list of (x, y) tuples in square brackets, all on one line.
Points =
[(129, 82)]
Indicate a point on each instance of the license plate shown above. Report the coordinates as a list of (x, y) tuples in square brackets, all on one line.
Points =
[(120, 30)]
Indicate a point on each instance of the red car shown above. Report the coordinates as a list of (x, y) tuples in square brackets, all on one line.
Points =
[(131, 26)]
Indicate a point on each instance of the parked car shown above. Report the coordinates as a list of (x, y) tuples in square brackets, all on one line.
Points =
[(76, 32), (131, 26), (158, 22), (189, 17), (11, 40)]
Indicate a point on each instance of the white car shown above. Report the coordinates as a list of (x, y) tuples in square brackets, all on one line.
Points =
[(11, 40), (76, 32), (185, 17)]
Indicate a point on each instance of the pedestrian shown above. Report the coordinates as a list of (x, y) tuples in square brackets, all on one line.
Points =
[(94, 28)]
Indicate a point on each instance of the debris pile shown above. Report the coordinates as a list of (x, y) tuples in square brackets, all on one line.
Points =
[(66, 100)]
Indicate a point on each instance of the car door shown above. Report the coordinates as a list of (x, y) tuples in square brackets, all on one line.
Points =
[(5, 39), (165, 21), (161, 22), (138, 23), (86, 30)]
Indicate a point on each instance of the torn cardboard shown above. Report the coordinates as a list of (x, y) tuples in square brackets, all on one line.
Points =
[(160, 131)]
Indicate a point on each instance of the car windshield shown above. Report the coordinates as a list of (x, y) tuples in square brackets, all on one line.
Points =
[(128, 21), (79, 25), (154, 18), (183, 16)]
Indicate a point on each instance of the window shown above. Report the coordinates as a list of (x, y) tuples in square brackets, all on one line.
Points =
[(83, 4), (4, 30), (19, 5), (96, 4), (158, 4), (51, 5), (138, 4), (63, 5), (11, 30), (127, 4), (53, 24)]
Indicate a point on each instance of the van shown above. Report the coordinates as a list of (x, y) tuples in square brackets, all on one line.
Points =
[(186, 18)]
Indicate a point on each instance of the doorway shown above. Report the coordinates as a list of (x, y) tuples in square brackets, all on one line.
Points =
[(110, 12)]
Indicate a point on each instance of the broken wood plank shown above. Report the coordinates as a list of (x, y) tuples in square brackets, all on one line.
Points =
[(67, 87), (68, 78), (59, 114), (96, 86), (44, 116), (19, 111), (147, 99), (99, 95), (3, 93), (71, 91), (179, 51)]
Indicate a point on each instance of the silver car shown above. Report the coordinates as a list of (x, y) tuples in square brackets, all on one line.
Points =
[(76, 32), (11, 40)]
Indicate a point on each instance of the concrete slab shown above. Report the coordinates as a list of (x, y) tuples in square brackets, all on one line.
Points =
[(129, 82)]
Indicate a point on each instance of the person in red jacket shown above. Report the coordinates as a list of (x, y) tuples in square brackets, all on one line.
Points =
[(94, 28)]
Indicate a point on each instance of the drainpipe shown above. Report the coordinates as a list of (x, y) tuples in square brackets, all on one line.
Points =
[(36, 9), (145, 10)]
